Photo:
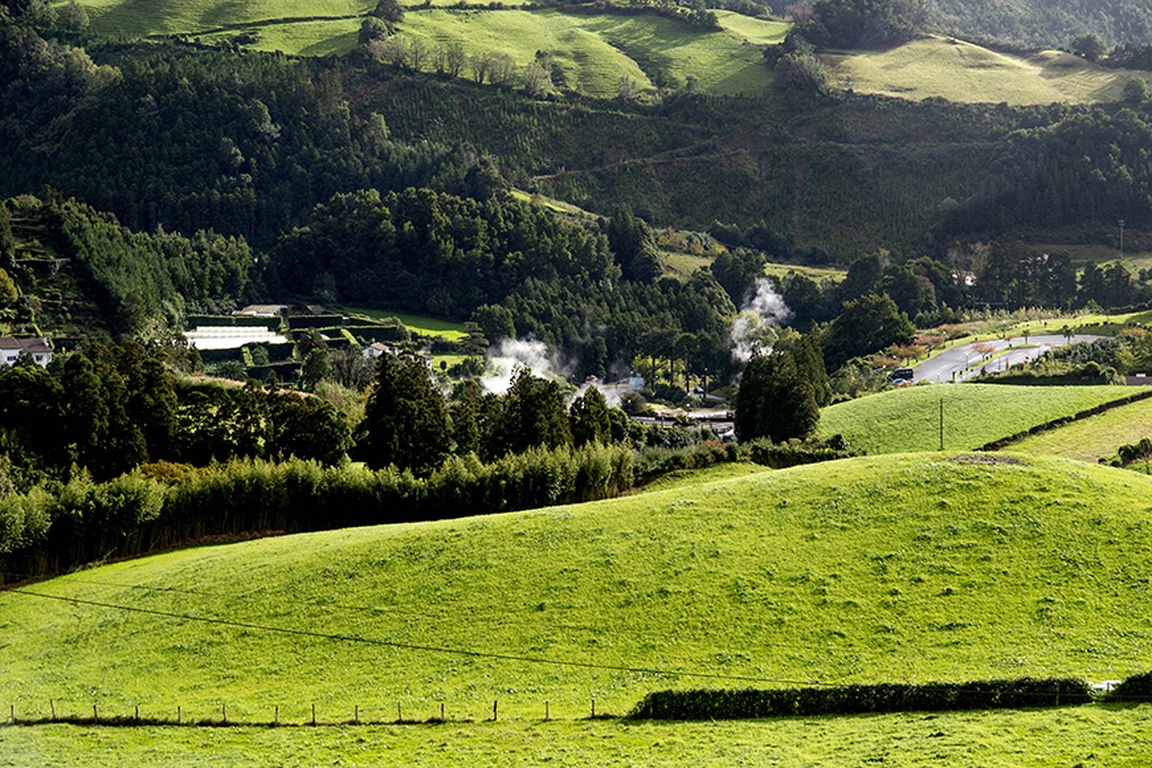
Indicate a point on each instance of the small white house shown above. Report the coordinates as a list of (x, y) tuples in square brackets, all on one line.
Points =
[(11, 349), (377, 349)]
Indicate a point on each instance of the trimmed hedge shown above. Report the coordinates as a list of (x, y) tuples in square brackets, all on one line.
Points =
[(858, 699)]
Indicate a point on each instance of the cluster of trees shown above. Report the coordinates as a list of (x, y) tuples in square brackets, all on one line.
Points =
[(108, 409), (589, 292), (409, 423), (782, 390)]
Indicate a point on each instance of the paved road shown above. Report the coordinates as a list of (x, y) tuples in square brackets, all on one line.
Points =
[(963, 362)]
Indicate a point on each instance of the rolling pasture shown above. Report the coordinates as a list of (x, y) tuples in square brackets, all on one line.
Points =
[(1094, 438), (894, 568), (958, 71), (974, 414)]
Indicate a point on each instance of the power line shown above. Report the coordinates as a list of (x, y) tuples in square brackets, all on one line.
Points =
[(415, 646), (500, 620)]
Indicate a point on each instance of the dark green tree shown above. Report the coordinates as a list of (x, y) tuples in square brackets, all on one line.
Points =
[(531, 413), (405, 419), (316, 368), (775, 399), (867, 324), (590, 418), (634, 244)]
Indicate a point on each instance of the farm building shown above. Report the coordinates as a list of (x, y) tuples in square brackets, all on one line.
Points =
[(11, 349)]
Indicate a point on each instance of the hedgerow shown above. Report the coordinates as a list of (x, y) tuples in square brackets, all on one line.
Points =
[(857, 699)]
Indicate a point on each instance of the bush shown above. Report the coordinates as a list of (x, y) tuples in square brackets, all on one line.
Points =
[(857, 699)]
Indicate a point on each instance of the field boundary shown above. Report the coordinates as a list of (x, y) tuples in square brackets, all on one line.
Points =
[(1003, 442)]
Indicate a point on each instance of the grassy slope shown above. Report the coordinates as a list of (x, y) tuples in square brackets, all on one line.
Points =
[(974, 414), (426, 326), (886, 568), (137, 18), (964, 72), (1093, 438), (1087, 736)]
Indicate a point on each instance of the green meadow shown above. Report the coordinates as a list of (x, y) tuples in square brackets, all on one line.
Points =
[(1094, 438), (898, 568), (958, 71), (140, 18), (1087, 736), (425, 326), (974, 414)]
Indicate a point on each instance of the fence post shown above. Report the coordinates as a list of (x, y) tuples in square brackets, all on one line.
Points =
[(441, 711), (593, 709), (276, 717), (179, 715), (95, 714), (52, 704), (547, 712), (495, 705), (399, 713), (136, 718), (356, 717), (12, 713), (313, 714), (224, 713)]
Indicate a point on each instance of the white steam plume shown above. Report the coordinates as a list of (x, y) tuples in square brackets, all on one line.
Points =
[(754, 328), (504, 359)]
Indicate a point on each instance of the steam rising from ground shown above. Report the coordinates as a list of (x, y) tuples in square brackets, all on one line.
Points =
[(503, 360), (754, 328)]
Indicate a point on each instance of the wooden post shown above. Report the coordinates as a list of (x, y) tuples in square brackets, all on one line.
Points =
[(593, 709), (399, 713), (136, 718), (547, 712), (224, 713), (12, 713), (495, 706), (179, 715), (441, 711), (276, 717), (95, 714), (313, 714), (356, 717), (52, 704)]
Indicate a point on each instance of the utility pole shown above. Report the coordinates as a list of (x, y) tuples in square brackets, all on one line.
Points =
[(941, 423)]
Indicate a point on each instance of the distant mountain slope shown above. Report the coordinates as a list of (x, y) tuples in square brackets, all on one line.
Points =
[(1050, 22)]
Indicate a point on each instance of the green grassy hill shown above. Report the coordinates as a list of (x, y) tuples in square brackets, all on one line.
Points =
[(959, 71), (890, 568), (974, 414), (1094, 438)]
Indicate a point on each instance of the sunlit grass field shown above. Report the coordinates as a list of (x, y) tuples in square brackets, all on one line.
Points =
[(1087, 736), (1093, 438), (895, 568), (959, 71), (425, 326), (139, 18), (595, 51), (974, 414)]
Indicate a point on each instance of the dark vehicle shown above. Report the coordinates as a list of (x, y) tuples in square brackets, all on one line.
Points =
[(901, 377)]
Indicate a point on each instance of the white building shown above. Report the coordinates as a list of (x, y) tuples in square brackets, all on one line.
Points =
[(11, 349)]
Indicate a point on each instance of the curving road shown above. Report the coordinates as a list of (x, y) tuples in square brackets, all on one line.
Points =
[(963, 362)]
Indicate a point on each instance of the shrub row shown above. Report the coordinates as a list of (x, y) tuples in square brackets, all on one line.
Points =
[(784, 455), (996, 445), (162, 506), (856, 699)]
